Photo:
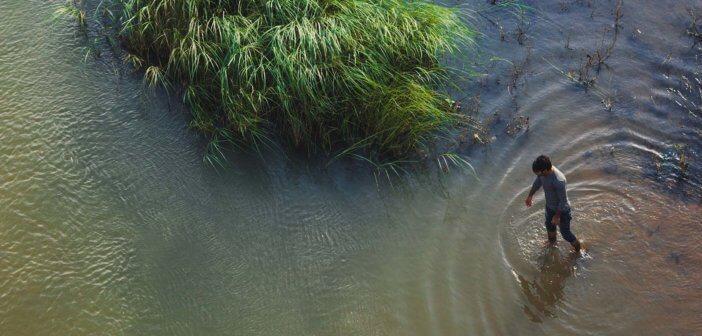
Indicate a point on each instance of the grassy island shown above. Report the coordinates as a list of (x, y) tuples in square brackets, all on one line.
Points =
[(353, 75)]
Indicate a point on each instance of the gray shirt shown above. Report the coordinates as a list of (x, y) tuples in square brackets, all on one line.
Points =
[(554, 190)]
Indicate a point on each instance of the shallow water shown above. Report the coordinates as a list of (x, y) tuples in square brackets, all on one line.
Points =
[(111, 224)]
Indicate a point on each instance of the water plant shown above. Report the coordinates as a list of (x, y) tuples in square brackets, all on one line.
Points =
[(516, 125), (74, 9), (695, 28), (348, 76), (677, 157), (682, 157)]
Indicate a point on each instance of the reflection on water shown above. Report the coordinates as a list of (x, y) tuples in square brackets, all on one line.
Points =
[(546, 290), (111, 225)]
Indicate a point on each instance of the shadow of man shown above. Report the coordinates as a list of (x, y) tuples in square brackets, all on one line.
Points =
[(544, 292)]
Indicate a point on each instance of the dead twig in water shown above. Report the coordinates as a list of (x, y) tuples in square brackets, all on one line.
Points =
[(602, 53), (695, 27), (517, 124)]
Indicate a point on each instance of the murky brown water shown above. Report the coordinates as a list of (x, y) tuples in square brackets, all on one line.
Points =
[(110, 224)]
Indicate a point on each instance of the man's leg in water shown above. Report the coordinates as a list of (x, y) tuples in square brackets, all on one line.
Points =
[(565, 231), (550, 228)]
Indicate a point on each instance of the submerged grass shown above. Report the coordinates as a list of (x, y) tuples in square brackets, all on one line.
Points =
[(346, 76), (74, 9)]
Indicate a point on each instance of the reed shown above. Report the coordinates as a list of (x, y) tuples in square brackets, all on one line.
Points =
[(74, 9), (322, 74)]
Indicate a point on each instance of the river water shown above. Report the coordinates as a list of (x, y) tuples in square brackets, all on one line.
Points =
[(110, 223)]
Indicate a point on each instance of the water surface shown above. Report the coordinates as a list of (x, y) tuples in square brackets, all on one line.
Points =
[(110, 223)]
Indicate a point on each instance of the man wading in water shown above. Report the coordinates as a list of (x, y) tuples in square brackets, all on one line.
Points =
[(557, 206)]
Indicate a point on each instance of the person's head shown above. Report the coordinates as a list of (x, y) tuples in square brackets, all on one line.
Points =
[(542, 165)]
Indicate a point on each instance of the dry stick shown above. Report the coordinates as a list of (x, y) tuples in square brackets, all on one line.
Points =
[(602, 53)]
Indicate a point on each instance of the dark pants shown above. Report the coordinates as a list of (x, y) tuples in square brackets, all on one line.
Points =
[(564, 226)]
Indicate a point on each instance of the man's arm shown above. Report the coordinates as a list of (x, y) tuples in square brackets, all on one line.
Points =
[(534, 188)]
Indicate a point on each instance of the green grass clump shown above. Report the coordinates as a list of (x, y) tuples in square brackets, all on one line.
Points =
[(74, 9), (322, 74)]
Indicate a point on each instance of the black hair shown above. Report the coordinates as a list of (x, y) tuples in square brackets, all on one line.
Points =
[(541, 163)]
